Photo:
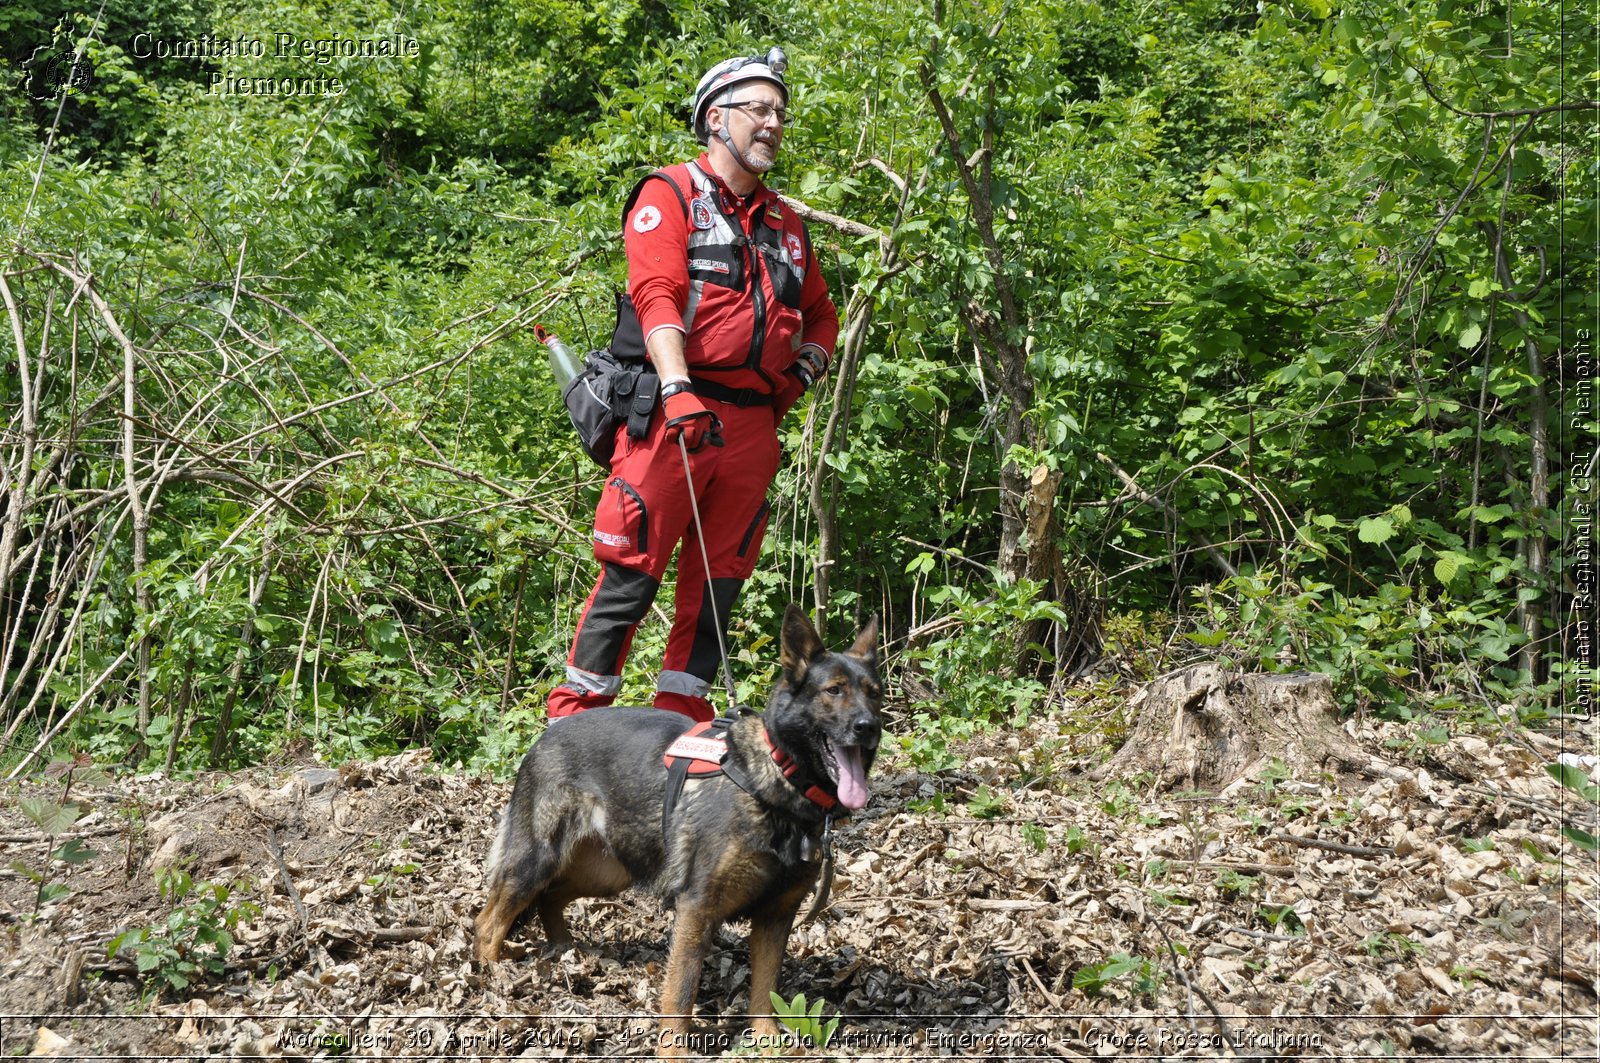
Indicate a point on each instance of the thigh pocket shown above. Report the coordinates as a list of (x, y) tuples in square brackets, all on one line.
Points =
[(750, 543), (621, 524)]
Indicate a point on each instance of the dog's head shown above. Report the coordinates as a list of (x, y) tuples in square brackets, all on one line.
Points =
[(827, 710)]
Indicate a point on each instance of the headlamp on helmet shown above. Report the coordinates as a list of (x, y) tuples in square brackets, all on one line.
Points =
[(730, 72)]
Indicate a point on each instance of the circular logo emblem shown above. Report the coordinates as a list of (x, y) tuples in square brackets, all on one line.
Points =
[(49, 75), (700, 213), (646, 219)]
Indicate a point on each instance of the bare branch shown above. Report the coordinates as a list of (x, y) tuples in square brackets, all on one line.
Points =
[(841, 224)]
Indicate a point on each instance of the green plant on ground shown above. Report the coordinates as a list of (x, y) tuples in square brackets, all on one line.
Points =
[(1142, 974), (987, 804), (1233, 884), (1275, 773), (803, 1021), (56, 817), (1283, 918), (1388, 943), (1119, 801), (1426, 735), (1575, 779), (192, 944)]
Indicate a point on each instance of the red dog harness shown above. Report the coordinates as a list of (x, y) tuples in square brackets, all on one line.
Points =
[(701, 752)]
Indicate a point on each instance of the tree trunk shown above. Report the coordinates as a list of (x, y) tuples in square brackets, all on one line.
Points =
[(1205, 727)]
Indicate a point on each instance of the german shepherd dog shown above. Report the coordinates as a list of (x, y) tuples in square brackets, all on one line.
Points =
[(586, 818)]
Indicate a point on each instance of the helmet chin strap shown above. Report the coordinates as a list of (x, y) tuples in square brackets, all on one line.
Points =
[(738, 156)]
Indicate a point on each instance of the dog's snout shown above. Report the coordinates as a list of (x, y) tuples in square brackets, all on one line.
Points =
[(865, 728)]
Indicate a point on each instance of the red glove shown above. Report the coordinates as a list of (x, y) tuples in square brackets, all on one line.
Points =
[(688, 417), (790, 388)]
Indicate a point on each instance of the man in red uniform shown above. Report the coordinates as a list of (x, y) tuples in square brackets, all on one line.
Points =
[(736, 320)]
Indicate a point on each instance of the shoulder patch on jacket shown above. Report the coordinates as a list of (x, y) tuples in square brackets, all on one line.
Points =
[(646, 219)]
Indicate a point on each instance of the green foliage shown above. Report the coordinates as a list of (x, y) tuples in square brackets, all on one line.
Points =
[(1234, 884), (1120, 802), (1293, 314), (1078, 842), (56, 817), (804, 1023), (1283, 918), (1141, 974), (1036, 836), (987, 804), (191, 946), (1575, 779), (970, 673), (1388, 944)]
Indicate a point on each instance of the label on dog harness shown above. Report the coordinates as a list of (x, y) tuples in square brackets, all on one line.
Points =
[(697, 747)]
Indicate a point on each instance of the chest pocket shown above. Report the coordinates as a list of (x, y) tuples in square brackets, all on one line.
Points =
[(787, 279)]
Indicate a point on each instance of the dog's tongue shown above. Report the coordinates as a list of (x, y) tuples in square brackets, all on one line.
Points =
[(853, 792)]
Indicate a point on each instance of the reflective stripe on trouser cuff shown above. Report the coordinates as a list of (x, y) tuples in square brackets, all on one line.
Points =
[(682, 683), (589, 683)]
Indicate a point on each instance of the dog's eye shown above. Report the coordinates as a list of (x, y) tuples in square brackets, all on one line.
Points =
[(833, 689)]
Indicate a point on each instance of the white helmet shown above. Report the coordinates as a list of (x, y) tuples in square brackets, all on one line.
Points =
[(730, 72)]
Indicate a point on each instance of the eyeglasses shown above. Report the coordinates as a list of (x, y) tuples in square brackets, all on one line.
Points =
[(761, 111)]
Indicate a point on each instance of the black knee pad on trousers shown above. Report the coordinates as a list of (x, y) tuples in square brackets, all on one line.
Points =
[(705, 656), (620, 601)]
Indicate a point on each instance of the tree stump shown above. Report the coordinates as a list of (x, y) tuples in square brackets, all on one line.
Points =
[(1205, 727)]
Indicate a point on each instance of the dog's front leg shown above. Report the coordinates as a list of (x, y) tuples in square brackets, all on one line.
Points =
[(691, 940), (769, 938)]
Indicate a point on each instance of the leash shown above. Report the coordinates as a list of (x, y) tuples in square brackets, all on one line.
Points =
[(705, 562), (825, 875), (678, 775)]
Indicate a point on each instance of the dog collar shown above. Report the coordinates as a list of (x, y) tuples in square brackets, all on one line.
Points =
[(791, 771)]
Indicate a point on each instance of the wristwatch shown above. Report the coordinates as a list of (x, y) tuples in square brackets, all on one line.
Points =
[(671, 389)]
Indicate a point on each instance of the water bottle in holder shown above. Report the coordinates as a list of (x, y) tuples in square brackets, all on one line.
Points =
[(563, 363)]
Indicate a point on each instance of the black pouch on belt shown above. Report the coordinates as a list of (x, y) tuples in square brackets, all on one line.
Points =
[(634, 400)]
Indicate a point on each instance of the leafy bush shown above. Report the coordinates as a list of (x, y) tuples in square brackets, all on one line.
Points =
[(191, 946)]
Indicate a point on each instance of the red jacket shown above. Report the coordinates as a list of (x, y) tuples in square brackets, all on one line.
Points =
[(739, 278)]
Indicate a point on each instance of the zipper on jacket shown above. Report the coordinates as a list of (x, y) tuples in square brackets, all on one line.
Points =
[(758, 305)]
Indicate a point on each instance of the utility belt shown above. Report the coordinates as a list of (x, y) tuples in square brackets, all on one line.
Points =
[(710, 389)]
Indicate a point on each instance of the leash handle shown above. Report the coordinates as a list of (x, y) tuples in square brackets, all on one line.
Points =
[(705, 563)]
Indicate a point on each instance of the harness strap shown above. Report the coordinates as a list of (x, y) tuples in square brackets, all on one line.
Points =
[(703, 751), (702, 748), (677, 774)]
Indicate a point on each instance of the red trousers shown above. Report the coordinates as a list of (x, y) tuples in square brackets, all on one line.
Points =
[(643, 516)]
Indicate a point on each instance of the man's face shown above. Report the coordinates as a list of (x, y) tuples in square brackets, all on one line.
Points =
[(756, 139)]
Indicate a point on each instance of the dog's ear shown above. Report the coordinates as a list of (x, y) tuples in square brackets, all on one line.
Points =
[(800, 644), (866, 644)]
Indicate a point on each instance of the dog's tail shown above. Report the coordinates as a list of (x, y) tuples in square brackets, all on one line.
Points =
[(504, 829), (497, 850)]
